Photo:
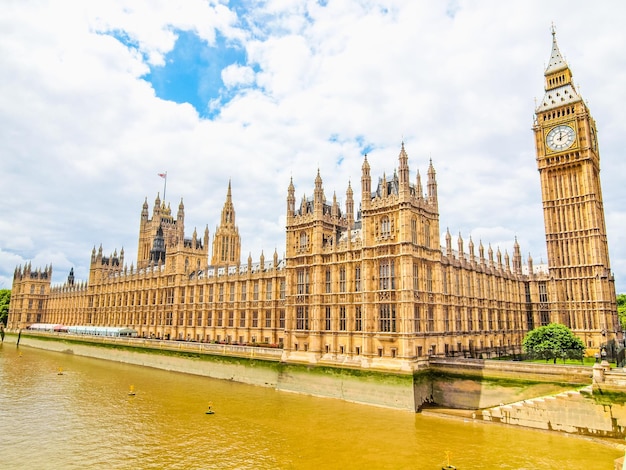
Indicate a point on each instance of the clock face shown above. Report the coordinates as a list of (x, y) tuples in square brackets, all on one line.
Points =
[(560, 137)]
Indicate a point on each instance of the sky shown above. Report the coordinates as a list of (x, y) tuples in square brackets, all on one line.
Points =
[(98, 98)]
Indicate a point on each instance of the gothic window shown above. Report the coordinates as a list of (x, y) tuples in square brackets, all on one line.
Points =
[(342, 318), (387, 318), (431, 318), (255, 319), (255, 290), (427, 233), (429, 279), (446, 319), (386, 275), (282, 289), (220, 318), (328, 281), (281, 319), (414, 230), (303, 281), (232, 292), (358, 320), (268, 319), (417, 321), (303, 240), (357, 279), (244, 290), (415, 277), (342, 279), (221, 296), (385, 227), (268, 290), (327, 319), (302, 318), (231, 318), (543, 292)]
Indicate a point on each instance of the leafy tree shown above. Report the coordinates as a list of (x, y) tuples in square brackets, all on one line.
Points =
[(5, 299), (621, 309), (553, 341)]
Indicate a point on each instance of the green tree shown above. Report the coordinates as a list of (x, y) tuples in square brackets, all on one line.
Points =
[(5, 299), (621, 309), (553, 341)]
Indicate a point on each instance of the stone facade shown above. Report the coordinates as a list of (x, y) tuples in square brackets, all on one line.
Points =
[(368, 290)]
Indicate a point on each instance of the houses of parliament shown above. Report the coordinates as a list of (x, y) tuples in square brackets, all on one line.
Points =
[(372, 288)]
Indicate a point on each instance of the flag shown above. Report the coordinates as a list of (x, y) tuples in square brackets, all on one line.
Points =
[(163, 175)]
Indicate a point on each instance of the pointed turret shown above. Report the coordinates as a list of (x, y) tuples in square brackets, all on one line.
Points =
[(144, 210), (291, 200), (349, 207), (419, 189), (403, 169), (517, 258), (318, 194), (226, 242), (366, 184), (432, 184)]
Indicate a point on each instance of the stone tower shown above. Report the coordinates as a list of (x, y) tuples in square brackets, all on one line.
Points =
[(582, 293), (226, 242), (172, 231)]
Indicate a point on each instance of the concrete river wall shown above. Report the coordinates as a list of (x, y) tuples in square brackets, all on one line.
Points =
[(543, 396)]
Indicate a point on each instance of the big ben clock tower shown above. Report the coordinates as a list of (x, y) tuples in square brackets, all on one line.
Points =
[(582, 289)]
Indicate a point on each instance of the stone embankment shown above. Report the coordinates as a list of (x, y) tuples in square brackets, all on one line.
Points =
[(576, 412)]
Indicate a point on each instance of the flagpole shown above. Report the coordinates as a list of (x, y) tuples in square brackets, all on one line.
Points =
[(164, 186)]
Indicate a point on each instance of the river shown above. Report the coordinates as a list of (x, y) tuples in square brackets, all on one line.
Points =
[(60, 411)]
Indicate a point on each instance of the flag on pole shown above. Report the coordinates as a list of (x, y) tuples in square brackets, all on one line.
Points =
[(163, 175)]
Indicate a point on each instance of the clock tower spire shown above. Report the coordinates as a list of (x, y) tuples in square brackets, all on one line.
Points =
[(582, 290)]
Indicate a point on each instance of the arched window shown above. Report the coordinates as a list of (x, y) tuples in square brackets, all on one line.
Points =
[(385, 226), (303, 240)]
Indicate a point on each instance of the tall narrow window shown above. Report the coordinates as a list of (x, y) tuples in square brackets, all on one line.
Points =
[(302, 318), (327, 319), (268, 290), (386, 275), (387, 318), (358, 320), (357, 279), (342, 318), (328, 281), (417, 320), (385, 227), (342, 279)]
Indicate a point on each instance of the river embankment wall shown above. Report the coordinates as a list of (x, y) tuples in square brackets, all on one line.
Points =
[(250, 365), (542, 396)]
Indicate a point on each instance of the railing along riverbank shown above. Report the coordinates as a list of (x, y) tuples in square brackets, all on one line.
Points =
[(217, 349)]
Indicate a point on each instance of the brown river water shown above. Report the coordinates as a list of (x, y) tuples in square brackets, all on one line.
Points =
[(59, 411)]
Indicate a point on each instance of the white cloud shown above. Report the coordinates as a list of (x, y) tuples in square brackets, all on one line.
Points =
[(82, 136), (237, 75)]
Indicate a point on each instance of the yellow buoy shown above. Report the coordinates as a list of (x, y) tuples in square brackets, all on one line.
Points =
[(210, 411), (132, 390), (60, 371)]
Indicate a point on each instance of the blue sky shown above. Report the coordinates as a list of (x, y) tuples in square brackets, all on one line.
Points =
[(192, 72), (97, 98)]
